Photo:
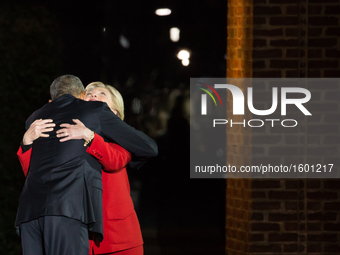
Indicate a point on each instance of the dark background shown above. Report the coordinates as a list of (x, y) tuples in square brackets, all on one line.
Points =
[(41, 40)]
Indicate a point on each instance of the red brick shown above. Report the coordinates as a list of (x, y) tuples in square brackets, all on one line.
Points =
[(332, 140), (314, 74), (322, 42), (268, 32), (313, 247), (323, 21), (292, 32), (283, 151), (314, 227), (332, 9), (266, 184), (335, 31), (284, 21), (294, 206), (259, 21), (331, 117), (332, 184), (323, 1), (293, 226), (274, 53), (283, 195), (282, 217), (259, 43), (332, 227), (266, 10), (294, 184), (265, 139), (267, 74), (317, 64), (292, 10), (265, 227), (323, 129), (257, 237), (314, 206), (285, 43), (292, 53), (314, 9), (334, 248), (284, 237), (332, 73), (257, 216), (332, 53), (331, 206), (323, 151), (320, 216), (266, 205), (259, 64), (322, 237), (313, 184), (293, 248), (263, 248), (314, 31), (282, 1), (292, 74), (258, 194), (315, 53)]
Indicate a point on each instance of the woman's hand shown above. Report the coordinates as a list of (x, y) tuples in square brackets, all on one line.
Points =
[(38, 129), (76, 131)]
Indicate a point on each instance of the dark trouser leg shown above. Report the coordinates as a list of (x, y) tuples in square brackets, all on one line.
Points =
[(54, 235), (65, 236), (31, 238)]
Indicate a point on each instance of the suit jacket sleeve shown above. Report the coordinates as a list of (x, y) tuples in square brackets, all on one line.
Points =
[(112, 156), (24, 159), (140, 145)]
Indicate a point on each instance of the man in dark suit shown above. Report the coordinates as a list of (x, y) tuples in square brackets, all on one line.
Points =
[(61, 199)]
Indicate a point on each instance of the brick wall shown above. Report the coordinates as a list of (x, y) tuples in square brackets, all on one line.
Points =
[(239, 64), (285, 216), (296, 38)]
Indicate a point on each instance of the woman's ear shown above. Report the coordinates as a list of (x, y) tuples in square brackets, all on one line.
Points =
[(83, 95)]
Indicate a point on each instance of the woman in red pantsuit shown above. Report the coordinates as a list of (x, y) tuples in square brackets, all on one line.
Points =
[(122, 234)]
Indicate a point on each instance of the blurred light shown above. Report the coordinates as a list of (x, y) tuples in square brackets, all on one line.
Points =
[(185, 62), (124, 42), (163, 12), (136, 106), (183, 54), (104, 29), (174, 34)]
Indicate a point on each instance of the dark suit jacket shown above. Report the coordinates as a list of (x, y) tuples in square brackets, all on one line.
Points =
[(64, 180)]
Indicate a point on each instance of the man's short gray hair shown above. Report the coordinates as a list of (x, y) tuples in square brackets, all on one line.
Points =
[(66, 84)]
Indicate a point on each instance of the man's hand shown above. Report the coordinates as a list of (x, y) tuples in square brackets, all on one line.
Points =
[(38, 128), (76, 131)]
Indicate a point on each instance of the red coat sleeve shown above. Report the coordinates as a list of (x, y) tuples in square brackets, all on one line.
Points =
[(25, 159), (112, 156)]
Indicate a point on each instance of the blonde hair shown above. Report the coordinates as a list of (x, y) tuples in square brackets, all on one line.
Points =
[(117, 99)]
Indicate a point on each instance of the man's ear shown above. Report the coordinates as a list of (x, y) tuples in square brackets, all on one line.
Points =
[(50, 100), (82, 95)]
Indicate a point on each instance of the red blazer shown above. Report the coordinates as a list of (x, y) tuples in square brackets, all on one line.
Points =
[(121, 226)]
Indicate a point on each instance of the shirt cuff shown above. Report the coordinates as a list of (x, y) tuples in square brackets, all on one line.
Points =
[(25, 147)]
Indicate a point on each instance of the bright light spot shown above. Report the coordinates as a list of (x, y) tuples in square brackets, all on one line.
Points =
[(104, 29), (124, 42), (174, 34), (185, 62), (183, 54), (163, 12)]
